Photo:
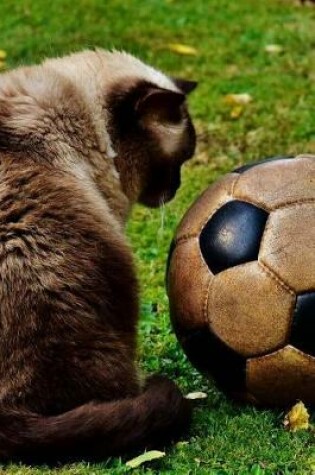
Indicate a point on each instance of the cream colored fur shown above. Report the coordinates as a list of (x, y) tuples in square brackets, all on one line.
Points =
[(62, 104)]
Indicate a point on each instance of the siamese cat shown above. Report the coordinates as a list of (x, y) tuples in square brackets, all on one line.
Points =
[(82, 138)]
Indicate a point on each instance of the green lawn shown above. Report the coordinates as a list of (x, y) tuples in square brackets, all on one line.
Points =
[(230, 37)]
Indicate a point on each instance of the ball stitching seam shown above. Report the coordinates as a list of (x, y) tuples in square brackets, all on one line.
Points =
[(184, 238), (275, 277), (292, 204), (206, 300), (291, 347), (229, 196)]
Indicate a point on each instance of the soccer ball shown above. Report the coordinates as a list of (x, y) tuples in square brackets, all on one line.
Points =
[(241, 281)]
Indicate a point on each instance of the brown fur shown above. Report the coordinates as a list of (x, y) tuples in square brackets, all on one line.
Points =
[(82, 138)]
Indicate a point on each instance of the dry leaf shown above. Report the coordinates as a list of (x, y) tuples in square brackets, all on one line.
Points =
[(3, 54), (297, 418), (145, 457), (238, 99), (274, 49), (238, 103), (236, 112), (196, 395), (182, 49), (182, 443)]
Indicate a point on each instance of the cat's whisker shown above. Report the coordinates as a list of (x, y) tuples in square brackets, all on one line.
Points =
[(162, 213)]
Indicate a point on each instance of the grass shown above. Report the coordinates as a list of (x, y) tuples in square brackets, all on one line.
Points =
[(230, 38)]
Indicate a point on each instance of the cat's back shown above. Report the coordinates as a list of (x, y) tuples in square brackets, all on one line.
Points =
[(65, 274), (49, 228), (52, 242)]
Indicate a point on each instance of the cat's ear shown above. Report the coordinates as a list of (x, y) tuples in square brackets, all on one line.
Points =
[(184, 85), (159, 104)]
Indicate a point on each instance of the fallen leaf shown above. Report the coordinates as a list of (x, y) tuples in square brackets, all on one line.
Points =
[(237, 102), (182, 443), (182, 49), (236, 112), (145, 457), (196, 395), (297, 418), (3, 54), (238, 99), (274, 49)]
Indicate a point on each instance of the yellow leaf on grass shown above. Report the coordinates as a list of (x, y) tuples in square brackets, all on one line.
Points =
[(236, 112), (238, 99), (297, 418), (196, 395), (145, 457), (274, 49), (182, 49), (182, 443), (3, 54)]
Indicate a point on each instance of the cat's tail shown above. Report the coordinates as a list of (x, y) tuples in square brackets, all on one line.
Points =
[(96, 430)]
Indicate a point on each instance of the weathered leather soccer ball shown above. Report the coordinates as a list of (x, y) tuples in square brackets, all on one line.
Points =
[(241, 282)]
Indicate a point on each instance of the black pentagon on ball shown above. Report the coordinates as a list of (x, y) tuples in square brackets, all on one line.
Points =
[(248, 166), (303, 324), (210, 355), (232, 235)]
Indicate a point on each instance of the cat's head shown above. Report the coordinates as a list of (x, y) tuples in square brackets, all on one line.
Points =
[(153, 136), (141, 117), (151, 131)]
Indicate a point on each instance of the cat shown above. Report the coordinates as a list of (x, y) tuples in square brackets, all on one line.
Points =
[(82, 138)]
